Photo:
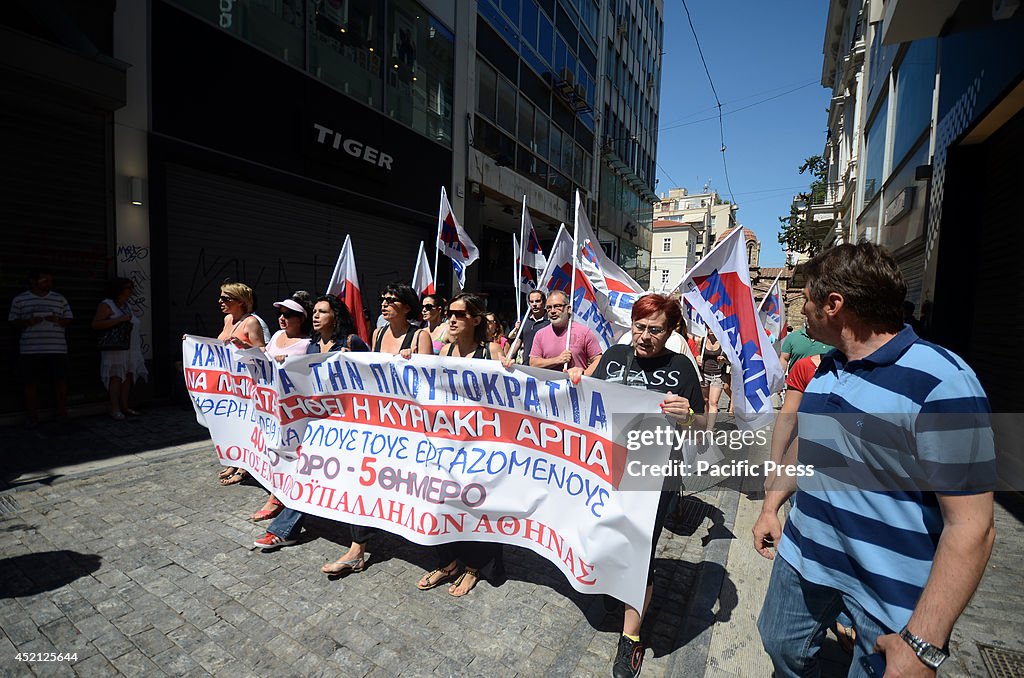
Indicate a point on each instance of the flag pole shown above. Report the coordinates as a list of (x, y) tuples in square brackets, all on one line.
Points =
[(572, 280), (440, 208), (522, 248), (515, 275)]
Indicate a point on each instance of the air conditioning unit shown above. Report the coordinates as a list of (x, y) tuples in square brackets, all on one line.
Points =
[(620, 27), (581, 92), (565, 75), (650, 82)]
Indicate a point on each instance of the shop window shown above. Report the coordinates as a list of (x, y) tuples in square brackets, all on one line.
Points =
[(874, 166), (540, 135), (915, 81), (420, 71), (276, 26), (487, 89), (347, 48), (505, 116), (526, 123)]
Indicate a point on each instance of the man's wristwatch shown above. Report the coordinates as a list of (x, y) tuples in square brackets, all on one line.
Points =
[(929, 655)]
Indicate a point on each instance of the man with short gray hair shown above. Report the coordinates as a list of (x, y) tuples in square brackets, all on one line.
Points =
[(549, 344)]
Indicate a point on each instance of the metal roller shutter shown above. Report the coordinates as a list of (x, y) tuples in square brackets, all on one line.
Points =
[(55, 189), (225, 228), (997, 330), (910, 258)]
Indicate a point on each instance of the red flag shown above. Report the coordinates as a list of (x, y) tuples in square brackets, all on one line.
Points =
[(422, 279), (345, 285)]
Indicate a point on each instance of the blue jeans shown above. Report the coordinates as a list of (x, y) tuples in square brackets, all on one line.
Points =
[(795, 615), (287, 523)]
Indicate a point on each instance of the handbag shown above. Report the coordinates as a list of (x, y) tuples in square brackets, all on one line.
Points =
[(116, 338)]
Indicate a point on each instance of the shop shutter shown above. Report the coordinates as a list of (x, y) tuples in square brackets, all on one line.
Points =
[(225, 228), (55, 193), (910, 258), (997, 329)]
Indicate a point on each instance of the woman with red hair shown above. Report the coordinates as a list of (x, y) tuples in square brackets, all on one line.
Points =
[(648, 364)]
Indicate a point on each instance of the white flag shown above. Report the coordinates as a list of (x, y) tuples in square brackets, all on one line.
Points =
[(452, 240), (718, 288)]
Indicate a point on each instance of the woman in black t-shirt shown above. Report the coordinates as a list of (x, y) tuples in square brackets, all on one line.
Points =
[(647, 364)]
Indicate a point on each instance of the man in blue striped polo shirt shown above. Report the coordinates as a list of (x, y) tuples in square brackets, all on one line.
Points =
[(894, 524)]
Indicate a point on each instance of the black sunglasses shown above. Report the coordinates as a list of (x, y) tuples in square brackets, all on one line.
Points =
[(428, 307), (291, 314), (390, 301), (456, 313), (225, 298)]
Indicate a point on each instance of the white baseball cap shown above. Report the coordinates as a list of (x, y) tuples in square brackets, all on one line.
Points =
[(291, 305)]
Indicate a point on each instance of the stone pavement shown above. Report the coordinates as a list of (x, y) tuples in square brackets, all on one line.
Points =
[(147, 568), (126, 551)]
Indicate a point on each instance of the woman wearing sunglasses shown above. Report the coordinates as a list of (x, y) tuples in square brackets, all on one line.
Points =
[(649, 365), (432, 311), (467, 334), (244, 329), (333, 330), (292, 339), (398, 303), (496, 331)]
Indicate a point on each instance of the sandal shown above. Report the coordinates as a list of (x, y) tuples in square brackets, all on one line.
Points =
[(444, 574), (453, 590), (227, 472), (238, 476), (340, 567), (267, 513)]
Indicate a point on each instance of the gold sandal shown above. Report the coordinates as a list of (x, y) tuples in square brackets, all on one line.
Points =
[(453, 589), (428, 582)]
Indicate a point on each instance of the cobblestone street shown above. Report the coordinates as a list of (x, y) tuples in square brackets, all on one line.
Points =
[(141, 564)]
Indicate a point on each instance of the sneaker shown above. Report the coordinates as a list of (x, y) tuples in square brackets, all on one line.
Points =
[(628, 659), (272, 541)]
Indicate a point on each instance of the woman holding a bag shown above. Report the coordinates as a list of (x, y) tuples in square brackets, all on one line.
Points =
[(121, 358)]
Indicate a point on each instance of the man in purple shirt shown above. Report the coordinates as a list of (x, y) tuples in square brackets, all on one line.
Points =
[(549, 344)]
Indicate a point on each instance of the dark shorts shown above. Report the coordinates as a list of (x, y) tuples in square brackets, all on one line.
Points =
[(34, 367)]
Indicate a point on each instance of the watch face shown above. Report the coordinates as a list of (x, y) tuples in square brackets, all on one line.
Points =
[(932, 656)]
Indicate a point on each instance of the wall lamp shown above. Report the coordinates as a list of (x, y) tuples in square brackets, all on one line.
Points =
[(135, 191)]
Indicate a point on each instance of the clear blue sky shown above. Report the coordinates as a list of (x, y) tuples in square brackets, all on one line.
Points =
[(755, 50)]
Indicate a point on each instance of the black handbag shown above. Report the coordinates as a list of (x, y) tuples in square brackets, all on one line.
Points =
[(116, 338)]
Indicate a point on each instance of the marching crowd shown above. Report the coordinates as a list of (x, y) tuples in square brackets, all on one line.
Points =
[(893, 567), (890, 570), (463, 328)]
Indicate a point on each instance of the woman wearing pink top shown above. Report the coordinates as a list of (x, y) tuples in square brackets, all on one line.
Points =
[(291, 339)]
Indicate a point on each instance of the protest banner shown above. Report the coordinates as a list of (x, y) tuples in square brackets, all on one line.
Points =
[(438, 450)]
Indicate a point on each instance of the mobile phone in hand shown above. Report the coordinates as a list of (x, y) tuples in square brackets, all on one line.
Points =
[(874, 664)]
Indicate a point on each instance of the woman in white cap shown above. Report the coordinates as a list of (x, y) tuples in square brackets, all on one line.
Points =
[(292, 339), (295, 323)]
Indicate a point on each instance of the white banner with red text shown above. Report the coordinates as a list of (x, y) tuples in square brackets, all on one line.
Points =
[(438, 450)]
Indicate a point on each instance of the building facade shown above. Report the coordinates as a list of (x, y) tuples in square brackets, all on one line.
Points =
[(199, 142), (675, 251), (565, 99), (707, 208), (925, 134)]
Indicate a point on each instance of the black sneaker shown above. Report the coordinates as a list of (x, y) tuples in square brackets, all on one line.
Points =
[(628, 659)]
